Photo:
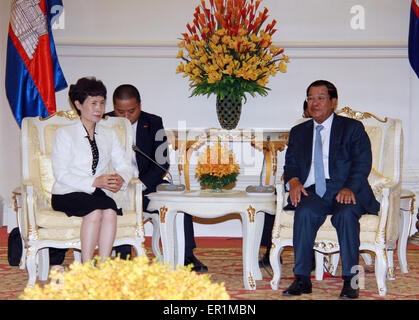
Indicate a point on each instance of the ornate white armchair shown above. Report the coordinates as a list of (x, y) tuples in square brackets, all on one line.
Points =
[(379, 233), (41, 227)]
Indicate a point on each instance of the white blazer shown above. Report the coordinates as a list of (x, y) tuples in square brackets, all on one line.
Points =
[(72, 158)]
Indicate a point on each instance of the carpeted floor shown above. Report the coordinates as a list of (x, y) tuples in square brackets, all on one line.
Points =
[(225, 265), (224, 260)]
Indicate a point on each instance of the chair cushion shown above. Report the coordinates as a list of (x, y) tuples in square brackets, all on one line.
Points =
[(325, 235), (61, 234), (59, 220), (368, 222), (377, 181)]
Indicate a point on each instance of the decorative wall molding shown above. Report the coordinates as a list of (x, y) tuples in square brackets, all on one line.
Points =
[(296, 50), (410, 179)]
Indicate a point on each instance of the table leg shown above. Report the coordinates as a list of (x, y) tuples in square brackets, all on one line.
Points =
[(167, 219), (252, 226), (180, 239), (259, 221)]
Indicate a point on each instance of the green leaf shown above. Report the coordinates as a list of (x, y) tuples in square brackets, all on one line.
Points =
[(208, 180)]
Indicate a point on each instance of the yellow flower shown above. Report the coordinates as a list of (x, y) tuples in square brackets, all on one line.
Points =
[(242, 32), (196, 72), (213, 77), (190, 48), (232, 44), (225, 40), (216, 160), (228, 70), (265, 36), (215, 39), (255, 38), (180, 68), (203, 59), (274, 49), (196, 79), (262, 82), (201, 44), (136, 279), (273, 71), (282, 67), (221, 32), (267, 57), (189, 67), (180, 54)]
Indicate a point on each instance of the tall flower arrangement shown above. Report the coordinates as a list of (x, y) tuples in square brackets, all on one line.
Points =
[(229, 51)]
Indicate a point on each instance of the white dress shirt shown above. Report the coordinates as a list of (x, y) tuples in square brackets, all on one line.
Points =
[(325, 136), (72, 158)]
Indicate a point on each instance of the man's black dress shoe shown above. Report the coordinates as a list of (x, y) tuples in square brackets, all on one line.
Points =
[(197, 265), (298, 287), (348, 292)]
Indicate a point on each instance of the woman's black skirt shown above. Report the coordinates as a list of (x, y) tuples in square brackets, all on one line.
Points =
[(80, 204)]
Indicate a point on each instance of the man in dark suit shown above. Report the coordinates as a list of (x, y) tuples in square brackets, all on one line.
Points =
[(327, 164), (270, 219), (150, 137)]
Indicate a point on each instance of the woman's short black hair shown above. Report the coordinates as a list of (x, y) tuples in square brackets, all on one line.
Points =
[(86, 87), (331, 89)]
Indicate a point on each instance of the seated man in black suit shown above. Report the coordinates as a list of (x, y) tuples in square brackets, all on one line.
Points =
[(270, 219), (149, 137), (326, 170)]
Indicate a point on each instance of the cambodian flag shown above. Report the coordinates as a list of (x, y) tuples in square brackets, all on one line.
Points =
[(414, 36), (33, 73)]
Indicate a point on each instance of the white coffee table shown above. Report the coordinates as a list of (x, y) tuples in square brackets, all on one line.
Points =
[(209, 204)]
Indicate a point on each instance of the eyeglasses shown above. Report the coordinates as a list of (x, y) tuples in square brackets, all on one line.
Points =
[(319, 99)]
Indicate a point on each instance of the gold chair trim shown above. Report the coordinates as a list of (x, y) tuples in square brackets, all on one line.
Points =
[(358, 115), (68, 114)]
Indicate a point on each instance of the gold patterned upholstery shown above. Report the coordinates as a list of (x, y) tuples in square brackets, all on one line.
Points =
[(46, 175), (378, 233), (41, 227)]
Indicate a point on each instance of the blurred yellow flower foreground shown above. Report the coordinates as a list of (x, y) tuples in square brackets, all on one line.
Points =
[(136, 279)]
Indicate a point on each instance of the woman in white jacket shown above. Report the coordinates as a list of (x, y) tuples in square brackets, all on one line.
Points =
[(80, 158)]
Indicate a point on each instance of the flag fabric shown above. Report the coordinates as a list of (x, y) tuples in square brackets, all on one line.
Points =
[(33, 73), (414, 36)]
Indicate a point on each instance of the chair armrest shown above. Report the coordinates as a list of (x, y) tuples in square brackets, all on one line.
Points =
[(132, 199), (126, 199), (280, 196), (36, 190), (392, 224), (138, 196), (390, 185), (134, 181)]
